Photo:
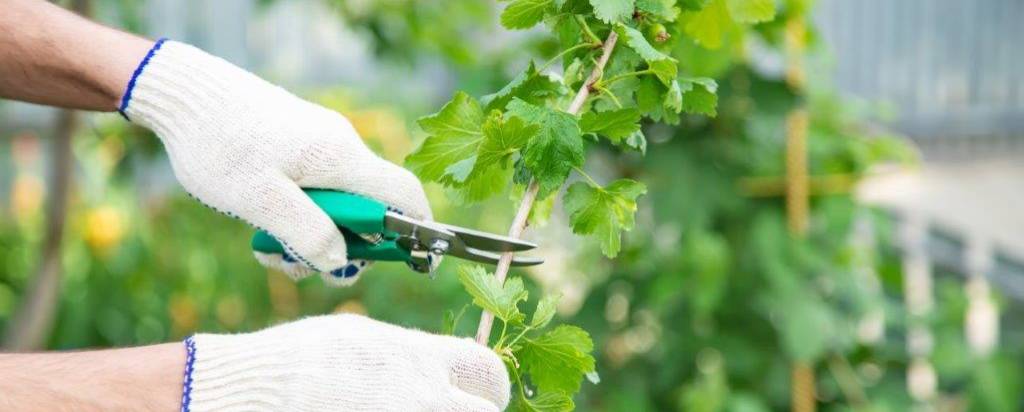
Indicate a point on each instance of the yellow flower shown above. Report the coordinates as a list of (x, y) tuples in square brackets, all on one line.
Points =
[(104, 228)]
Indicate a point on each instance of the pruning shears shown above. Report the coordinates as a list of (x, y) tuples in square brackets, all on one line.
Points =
[(374, 232)]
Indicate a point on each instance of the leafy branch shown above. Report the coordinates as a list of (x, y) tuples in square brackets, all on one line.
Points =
[(526, 204), (613, 76)]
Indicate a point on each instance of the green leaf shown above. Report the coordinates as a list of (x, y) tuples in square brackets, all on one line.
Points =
[(555, 150), (544, 402), (615, 124), (530, 86), (637, 141), (491, 295), (454, 134), (709, 25), (481, 185), (751, 11), (545, 310), (699, 96), (665, 70), (501, 140), (460, 171), (603, 211), (693, 4), (523, 14), (557, 360), (636, 41), (649, 97), (611, 11), (663, 9)]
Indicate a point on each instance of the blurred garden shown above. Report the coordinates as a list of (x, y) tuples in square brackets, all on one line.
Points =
[(752, 279)]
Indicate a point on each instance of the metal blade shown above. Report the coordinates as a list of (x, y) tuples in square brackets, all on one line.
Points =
[(481, 256), (439, 238), (488, 241)]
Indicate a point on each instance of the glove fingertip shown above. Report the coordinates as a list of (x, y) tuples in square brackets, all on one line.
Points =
[(284, 264), (345, 275)]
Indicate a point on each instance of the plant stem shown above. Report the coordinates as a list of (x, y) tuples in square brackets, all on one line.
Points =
[(483, 332), (565, 52), (606, 83), (589, 179), (608, 94), (586, 29)]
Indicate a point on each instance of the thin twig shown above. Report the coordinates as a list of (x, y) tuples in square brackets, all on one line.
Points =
[(483, 332)]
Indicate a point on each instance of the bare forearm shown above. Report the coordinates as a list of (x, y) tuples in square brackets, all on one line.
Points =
[(51, 56), (147, 378)]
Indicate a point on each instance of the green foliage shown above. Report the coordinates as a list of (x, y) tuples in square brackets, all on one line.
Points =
[(718, 297), (523, 14), (603, 211), (554, 361), (611, 11), (526, 133), (557, 148), (488, 293), (456, 132), (613, 124)]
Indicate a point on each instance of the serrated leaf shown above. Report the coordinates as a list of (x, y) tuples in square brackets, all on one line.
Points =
[(502, 138), (664, 70), (698, 96), (555, 150), (523, 14), (614, 124), (491, 295), (611, 11), (557, 360), (751, 11), (663, 9), (603, 211), (545, 310), (545, 402), (637, 141), (636, 41), (455, 132), (530, 86), (708, 26), (481, 186)]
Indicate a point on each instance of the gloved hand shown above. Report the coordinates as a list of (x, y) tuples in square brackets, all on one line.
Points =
[(342, 363), (245, 147)]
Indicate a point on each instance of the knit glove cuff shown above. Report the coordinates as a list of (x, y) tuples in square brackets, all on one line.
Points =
[(230, 374)]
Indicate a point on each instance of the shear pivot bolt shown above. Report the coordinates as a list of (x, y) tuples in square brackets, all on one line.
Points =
[(439, 246)]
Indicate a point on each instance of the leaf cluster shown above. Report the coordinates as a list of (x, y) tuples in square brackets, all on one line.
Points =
[(478, 148), (547, 364)]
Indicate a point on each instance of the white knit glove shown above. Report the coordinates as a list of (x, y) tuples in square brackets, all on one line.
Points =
[(244, 147), (341, 363)]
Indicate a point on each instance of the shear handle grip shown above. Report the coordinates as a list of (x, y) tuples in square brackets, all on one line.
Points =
[(352, 214)]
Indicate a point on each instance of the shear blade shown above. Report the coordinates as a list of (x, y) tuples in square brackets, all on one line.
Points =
[(484, 241), (482, 256)]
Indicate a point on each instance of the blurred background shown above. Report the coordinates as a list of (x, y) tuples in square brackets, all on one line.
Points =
[(906, 293)]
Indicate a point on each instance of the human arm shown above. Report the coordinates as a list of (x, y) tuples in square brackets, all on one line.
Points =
[(51, 56), (147, 378), (237, 143), (318, 364)]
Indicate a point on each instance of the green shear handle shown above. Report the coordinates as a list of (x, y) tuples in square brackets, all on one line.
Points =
[(354, 215)]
